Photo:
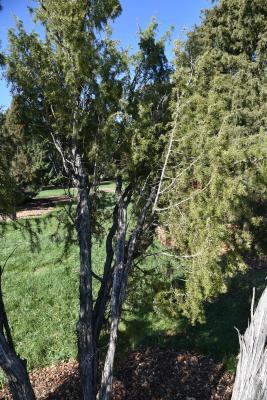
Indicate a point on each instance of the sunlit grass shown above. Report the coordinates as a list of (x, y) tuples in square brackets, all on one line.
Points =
[(41, 294), (57, 192)]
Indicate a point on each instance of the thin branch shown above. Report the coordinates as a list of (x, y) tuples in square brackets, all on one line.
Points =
[(167, 155), (2, 268), (97, 277)]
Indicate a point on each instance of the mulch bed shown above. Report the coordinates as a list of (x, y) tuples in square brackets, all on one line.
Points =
[(146, 374)]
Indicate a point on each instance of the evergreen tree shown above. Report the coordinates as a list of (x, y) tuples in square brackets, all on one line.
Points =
[(7, 184), (214, 200), (101, 110)]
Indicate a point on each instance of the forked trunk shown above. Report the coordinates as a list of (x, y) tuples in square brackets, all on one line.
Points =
[(107, 375), (120, 280)]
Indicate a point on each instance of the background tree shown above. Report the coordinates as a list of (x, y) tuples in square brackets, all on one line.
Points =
[(6, 182), (27, 153), (213, 202)]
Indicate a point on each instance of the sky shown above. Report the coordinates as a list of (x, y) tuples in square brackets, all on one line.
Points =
[(182, 14)]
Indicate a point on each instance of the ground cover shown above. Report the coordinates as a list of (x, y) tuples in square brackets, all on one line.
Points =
[(40, 286), (146, 374)]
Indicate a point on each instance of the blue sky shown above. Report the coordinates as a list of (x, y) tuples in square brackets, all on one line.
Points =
[(182, 14)]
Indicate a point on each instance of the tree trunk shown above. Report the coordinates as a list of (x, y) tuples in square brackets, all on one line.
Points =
[(106, 284), (251, 374), (106, 382), (15, 370), (86, 342), (120, 280), (12, 365)]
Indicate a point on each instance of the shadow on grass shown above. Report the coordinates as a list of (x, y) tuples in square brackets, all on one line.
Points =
[(217, 338)]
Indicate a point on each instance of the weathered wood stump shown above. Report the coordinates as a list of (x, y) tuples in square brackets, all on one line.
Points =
[(251, 375)]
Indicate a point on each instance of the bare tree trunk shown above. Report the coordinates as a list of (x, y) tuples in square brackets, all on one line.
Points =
[(120, 280), (251, 375), (12, 365), (85, 336)]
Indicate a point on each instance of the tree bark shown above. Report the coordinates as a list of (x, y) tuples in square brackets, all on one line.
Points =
[(86, 342), (107, 375), (12, 365), (251, 374), (120, 280), (15, 370), (106, 284)]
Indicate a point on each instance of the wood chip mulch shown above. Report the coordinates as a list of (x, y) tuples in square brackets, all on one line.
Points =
[(146, 374)]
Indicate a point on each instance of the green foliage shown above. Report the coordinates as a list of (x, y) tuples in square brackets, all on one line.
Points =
[(216, 196), (7, 183), (85, 97), (147, 104), (70, 83), (23, 159)]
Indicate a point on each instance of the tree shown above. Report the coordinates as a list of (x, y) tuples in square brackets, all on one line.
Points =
[(214, 199), (25, 153), (80, 91), (147, 107), (6, 182)]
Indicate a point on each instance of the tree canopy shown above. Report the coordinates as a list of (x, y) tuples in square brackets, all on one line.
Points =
[(214, 199)]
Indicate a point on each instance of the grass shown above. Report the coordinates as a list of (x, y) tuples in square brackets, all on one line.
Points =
[(57, 192), (54, 192), (41, 290), (41, 294), (40, 286), (217, 337)]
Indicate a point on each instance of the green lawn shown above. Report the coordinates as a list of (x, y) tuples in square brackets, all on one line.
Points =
[(41, 294), (56, 192), (41, 286)]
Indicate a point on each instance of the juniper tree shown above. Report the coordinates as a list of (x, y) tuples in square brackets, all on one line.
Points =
[(102, 111), (214, 200)]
